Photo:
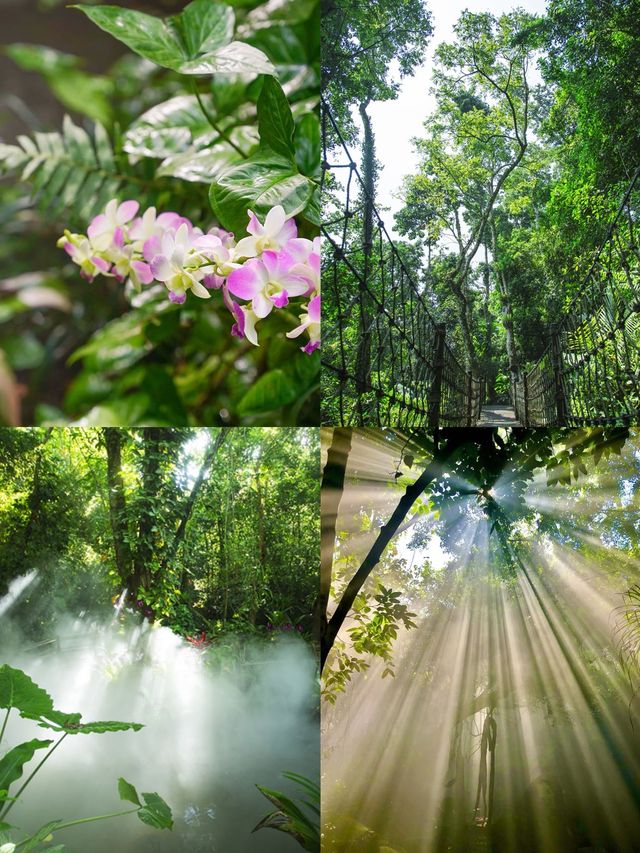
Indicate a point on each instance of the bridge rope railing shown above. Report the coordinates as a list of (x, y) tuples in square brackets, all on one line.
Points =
[(590, 371), (387, 361)]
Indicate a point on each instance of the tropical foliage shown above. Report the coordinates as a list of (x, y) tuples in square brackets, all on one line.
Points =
[(19, 693), (525, 157), (209, 122), (204, 531)]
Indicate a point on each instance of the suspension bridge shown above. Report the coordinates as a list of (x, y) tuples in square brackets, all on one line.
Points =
[(388, 360)]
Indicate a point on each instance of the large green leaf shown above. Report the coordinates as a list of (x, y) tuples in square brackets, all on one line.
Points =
[(18, 691), (168, 128), (234, 58), (265, 180), (72, 725), (307, 142), (155, 812), (198, 41), (12, 764), (205, 26), (210, 156), (275, 121), (154, 38)]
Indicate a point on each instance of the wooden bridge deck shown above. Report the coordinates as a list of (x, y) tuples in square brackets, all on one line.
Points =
[(492, 416)]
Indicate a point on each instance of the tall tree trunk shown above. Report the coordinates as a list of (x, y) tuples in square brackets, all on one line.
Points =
[(35, 498), (149, 504), (187, 509), (363, 358), (488, 324), (117, 503), (507, 316)]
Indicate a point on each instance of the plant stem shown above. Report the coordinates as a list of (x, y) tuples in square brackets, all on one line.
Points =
[(69, 823), (4, 725), (214, 125), (50, 752)]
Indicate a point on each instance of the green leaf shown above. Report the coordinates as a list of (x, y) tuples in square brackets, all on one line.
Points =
[(146, 35), (205, 26), (271, 391), (260, 183), (70, 723), (13, 762), (18, 691), (198, 41), (275, 121), (128, 792), (234, 58), (69, 171), (155, 812), (24, 352)]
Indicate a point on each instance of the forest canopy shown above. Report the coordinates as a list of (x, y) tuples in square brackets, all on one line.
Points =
[(526, 153), (202, 530)]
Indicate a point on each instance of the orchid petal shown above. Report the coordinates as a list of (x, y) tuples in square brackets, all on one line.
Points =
[(247, 281)]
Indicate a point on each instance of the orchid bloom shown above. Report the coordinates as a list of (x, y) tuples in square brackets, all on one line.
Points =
[(265, 269), (310, 323), (267, 282), (103, 227), (82, 253), (125, 266), (273, 235), (171, 266)]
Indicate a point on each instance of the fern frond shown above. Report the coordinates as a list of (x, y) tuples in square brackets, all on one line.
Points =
[(71, 172)]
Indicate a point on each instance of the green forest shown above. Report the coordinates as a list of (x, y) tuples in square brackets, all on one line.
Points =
[(158, 598), (203, 530), (509, 229), (480, 640)]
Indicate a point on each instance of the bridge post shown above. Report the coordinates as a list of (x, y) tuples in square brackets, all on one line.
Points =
[(436, 386), (470, 399), (556, 357), (525, 400)]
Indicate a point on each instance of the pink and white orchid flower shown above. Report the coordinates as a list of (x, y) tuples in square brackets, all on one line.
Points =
[(267, 282), (103, 227), (82, 253), (273, 235), (176, 269)]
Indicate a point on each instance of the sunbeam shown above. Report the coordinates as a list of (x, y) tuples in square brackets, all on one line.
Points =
[(511, 721)]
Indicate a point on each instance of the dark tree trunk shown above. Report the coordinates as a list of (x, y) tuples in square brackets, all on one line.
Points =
[(363, 359), (117, 504), (187, 509), (386, 534)]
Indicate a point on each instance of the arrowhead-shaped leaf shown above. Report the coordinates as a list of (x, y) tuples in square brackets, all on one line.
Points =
[(18, 691)]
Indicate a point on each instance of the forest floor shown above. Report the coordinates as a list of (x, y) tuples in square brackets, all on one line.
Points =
[(492, 416)]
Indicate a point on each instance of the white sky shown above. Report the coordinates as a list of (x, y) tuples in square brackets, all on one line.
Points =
[(395, 123)]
